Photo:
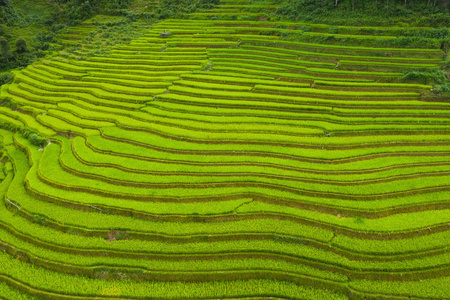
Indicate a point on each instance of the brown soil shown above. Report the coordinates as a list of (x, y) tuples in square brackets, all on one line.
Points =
[(111, 236)]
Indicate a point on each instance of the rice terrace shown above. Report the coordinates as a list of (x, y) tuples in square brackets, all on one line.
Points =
[(232, 149)]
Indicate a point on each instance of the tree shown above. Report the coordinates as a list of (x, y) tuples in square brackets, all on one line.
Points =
[(445, 45), (21, 45), (6, 53)]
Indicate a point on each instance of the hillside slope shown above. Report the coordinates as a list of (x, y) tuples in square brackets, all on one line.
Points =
[(225, 155)]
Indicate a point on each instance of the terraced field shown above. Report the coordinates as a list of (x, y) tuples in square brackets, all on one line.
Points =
[(226, 161)]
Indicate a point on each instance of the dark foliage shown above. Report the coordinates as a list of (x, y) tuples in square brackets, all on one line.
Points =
[(35, 138), (73, 12), (5, 48), (7, 13), (369, 12), (21, 45), (426, 76), (436, 77), (173, 9), (23, 56), (6, 77)]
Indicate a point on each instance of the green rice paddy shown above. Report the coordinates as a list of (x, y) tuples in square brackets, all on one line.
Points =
[(227, 162)]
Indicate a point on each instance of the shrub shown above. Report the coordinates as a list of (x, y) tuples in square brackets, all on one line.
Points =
[(122, 236), (7, 13), (426, 76), (445, 44), (179, 8), (442, 89), (79, 11), (5, 48), (34, 137), (21, 45), (208, 66), (37, 140), (10, 104), (367, 12), (6, 77), (8, 126), (38, 219), (358, 220)]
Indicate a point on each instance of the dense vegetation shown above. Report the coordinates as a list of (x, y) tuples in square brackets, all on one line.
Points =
[(52, 17), (232, 149), (369, 12)]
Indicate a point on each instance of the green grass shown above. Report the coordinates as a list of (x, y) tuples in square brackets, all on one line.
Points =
[(178, 173), (35, 185), (399, 66), (373, 85), (86, 263), (271, 62), (123, 150), (234, 159), (60, 283), (51, 171), (27, 120), (98, 221), (141, 249), (61, 125), (223, 87), (333, 57), (208, 186), (35, 94), (12, 121), (102, 90), (338, 49), (155, 61), (346, 147), (165, 123), (352, 73), (334, 94), (170, 166), (434, 288), (58, 72), (95, 242), (217, 78), (309, 76), (70, 118), (200, 95), (8, 292)]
